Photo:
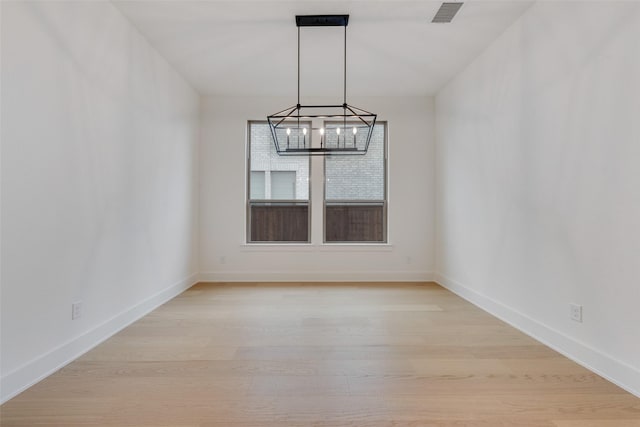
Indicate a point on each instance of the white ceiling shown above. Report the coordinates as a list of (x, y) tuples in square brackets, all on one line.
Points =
[(249, 47)]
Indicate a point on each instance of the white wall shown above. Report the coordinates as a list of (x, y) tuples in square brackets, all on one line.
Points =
[(225, 257), (99, 182), (538, 182)]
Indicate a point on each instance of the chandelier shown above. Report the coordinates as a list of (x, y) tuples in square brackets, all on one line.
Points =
[(307, 130)]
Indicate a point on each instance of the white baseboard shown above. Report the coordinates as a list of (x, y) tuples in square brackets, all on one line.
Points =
[(619, 373), (37, 369), (317, 276)]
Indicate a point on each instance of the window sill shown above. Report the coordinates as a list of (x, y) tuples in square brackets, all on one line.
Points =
[(355, 247), (276, 247), (311, 247)]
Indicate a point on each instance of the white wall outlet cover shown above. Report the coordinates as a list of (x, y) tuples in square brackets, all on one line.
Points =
[(575, 312), (76, 310)]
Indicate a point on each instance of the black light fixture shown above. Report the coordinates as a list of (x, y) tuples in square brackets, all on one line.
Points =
[(346, 129)]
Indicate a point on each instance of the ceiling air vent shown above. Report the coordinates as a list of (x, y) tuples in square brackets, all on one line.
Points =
[(446, 12)]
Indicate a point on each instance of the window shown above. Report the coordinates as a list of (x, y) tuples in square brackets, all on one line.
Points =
[(355, 204), (278, 191), (283, 185), (257, 189)]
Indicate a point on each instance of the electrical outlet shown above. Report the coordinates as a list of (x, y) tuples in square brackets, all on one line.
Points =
[(575, 312), (76, 310)]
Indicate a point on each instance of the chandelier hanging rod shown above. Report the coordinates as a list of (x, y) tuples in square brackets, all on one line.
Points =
[(325, 21)]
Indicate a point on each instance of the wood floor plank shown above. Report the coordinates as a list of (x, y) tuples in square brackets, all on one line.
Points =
[(321, 355), (597, 423)]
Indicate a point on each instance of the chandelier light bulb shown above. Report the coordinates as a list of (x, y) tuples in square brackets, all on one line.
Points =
[(288, 131), (355, 130), (321, 131), (304, 137), (338, 131)]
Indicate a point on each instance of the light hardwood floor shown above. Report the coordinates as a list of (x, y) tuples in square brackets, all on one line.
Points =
[(322, 355)]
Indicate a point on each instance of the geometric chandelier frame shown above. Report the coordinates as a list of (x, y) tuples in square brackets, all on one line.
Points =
[(346, 130)]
